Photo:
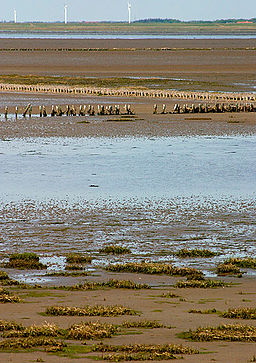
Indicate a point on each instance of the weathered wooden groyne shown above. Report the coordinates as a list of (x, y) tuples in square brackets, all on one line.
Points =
[(126, 92)]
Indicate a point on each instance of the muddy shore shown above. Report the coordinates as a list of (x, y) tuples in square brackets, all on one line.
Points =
[(207, 62)]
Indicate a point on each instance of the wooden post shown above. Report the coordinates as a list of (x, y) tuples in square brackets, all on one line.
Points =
[(6, 112)]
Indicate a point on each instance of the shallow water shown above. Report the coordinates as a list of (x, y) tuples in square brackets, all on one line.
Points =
[(153, 195), (13, 35), (120, 168)]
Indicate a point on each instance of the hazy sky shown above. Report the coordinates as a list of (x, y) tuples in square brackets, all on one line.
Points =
[(91, 10)]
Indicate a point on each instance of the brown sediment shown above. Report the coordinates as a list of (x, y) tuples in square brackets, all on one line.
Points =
[(222, 62), (173, 318), (144, 123)]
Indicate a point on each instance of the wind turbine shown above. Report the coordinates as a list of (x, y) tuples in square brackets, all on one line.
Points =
[(129, 12), (66, 13), (15, 16)]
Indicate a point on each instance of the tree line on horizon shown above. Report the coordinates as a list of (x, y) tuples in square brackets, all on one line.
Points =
[(172, 21)]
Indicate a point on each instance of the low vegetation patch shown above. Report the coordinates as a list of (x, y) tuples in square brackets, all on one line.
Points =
[(69, 274), (242, 262), (25, 261), (10, 325), (5, 280), (201, 284), (141, 352), (210, 311), (154, 268), (169, 295), (114, 284), (183, 253), (148, 324), (227, 268), (240, 313), (115, 250), (125, 284), (230, 333), (45, 330), (50, 344), (6, 297), (74, 267), (91, 330), (89, 310), (75, 258)]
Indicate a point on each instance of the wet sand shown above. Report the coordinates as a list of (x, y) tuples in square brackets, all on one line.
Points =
[(171, 312), (143, 123), (223, 61)]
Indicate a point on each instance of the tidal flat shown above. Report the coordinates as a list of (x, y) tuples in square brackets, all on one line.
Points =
[(151, 216)]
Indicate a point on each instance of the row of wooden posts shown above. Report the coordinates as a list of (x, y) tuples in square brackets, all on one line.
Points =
[(211, 96), (84, 110), (217, 108)]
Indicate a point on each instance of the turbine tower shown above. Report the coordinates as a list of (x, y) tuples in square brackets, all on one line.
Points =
[(15, 16), (129, 12), (66, 13)]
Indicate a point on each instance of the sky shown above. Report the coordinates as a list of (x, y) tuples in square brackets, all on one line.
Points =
[(110, 10)]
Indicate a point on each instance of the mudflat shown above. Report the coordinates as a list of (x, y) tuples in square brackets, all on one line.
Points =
[(222, 62)]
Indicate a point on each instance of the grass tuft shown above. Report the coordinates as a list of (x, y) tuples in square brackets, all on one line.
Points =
[(115, 250), (210, 311), (169, 295), (74, 267), (154, 268), (240, 313), (201, 284), (75, 258), (141, 352), (230, 333), (25, 261), (50, 344), (227, 268), (68, 274), (242, 262), (148, 324), (112, 283), (183, 253), (91, 330), (45, 330), (89, 310)]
